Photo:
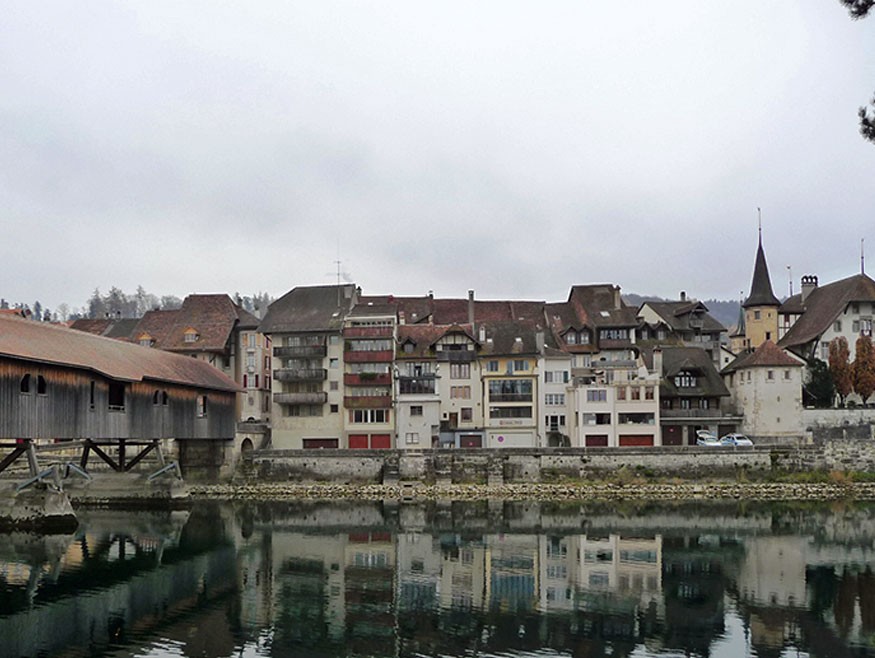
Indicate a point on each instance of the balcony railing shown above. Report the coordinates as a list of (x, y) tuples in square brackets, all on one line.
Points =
[(300, 375), (510, 397), (382, 356), (691, 413), (367, 401), (300, 398), (457, 356), (300, 351), (369, 332), (367, 379)]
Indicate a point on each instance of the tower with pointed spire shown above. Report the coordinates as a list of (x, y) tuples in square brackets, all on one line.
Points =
[(761, 306)]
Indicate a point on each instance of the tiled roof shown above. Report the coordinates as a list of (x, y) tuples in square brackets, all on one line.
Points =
[(709, 383), (47, 343), (213, 317), (761, 293), (824, 305), (422, 337), (309, 308), (767, 354), (677, 315)]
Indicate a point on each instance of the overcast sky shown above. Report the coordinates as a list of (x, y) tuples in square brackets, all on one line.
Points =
[(513, 148)]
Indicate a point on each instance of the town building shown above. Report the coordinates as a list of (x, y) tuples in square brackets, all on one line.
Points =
[(766, 387), (305, 328), (686, 322)]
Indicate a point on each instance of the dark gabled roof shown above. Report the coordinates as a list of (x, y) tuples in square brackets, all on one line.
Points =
[(120, 360), (600, 305), (767, 354), (509, 338), (309, 308), (761, 293), (740, 327), (709, 383), (422, 337), (676, 315), (824, 305), (213, 317)]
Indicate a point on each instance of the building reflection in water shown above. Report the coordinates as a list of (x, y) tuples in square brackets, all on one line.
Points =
[(326, 580)]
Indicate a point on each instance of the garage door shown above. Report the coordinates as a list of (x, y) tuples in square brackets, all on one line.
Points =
[(358, 441), (381, 441), (470, 441), (636, 439), (596, 441)]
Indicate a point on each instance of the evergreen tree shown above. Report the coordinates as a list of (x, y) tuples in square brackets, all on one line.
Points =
[(96, 305), (819, 391), (840, 367), (860, 9), (864, 368)]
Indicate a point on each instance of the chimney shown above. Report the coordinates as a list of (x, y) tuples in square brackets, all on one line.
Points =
[(539, 342), (683, 295), (809, 283), (657, 361), (482, 335), (471, 308), (618, 302)]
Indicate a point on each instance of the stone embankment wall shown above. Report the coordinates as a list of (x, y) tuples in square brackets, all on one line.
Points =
[(519, 465)]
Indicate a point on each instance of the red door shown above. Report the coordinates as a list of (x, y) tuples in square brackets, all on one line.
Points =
[(597, 441), (636, 439), (381, 441), (471, 441), (358, 441)]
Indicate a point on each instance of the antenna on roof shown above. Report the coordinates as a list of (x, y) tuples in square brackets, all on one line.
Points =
[(790, 277), (862, 257), (760, 222)]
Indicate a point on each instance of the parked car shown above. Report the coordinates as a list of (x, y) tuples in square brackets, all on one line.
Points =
[(736, 440), (707, 438)]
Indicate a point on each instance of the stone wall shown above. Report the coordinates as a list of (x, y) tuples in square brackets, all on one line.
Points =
[(521, 465), (853, 423)]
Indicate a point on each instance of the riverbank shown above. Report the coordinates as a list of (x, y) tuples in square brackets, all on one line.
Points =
[(542, 492)]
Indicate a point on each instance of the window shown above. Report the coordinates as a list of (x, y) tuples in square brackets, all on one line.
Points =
[(416, 410), (786, 374), (467, 414), (520, 364), (116, 396), (164, 398), (190, 336), (636, 419), (635, 392), (510, 412), (303, 410), (597, 395), (334, 408), (571, 338), (621, 392), (866, 327), (554, 399), (460, 392), (685, 403), (201, 406), (648, 392), (685, 379), (333, 363), (770, 375), (24, 387), (704, 403), (756, 315), (411, 438), (332, 386), (824, 350), (460, 371), (554, 422), (837, 326), (492, 366), (510, 390), (156, 398), (369, 416), (614, 334), (855, 326), (596, 419), (91, 393)]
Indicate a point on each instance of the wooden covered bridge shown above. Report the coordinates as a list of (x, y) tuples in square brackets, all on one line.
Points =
[(65, 391)]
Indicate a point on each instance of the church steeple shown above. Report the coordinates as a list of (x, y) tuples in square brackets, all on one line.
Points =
[(761, 293)]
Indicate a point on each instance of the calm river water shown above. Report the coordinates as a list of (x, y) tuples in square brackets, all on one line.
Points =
[(446, 579)]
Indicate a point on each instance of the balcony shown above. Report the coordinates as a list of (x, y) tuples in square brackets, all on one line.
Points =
[(457, 356), (691, 413), (300, 398), (510, 397), (367, 379), (367, 401), (300, 375), (300, 351), (369, 332), (382, 356)]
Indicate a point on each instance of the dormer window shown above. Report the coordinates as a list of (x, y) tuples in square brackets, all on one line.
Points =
[(191, 335), (146, 340), (685, 379), (571, 337)]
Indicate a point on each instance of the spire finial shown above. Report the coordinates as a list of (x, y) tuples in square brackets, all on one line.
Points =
[(760, 222)]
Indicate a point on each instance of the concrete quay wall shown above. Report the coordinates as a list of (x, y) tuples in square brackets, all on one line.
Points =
[(520, 465)]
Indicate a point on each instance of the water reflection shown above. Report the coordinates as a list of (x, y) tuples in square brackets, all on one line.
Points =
[(484, 579)]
